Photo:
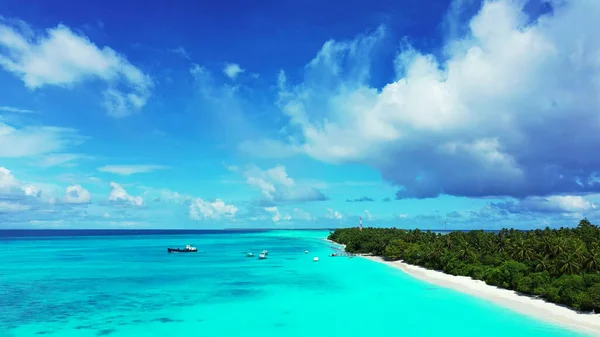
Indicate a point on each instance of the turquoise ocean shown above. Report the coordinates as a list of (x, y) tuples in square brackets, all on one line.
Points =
[(128, 285)]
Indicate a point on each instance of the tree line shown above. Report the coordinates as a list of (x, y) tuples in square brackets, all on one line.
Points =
[(559, 265)]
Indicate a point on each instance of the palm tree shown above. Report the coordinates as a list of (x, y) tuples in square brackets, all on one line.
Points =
[(568, 263), (436, 251), (591, 261), (501, 241), (521, 250), (547, 245), (558, 246), (465, 252), (543, 263), (448, 243)]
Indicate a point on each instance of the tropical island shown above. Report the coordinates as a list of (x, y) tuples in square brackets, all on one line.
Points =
[(561, 266)]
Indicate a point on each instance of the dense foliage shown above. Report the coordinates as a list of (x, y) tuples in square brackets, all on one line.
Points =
[(559, 265)]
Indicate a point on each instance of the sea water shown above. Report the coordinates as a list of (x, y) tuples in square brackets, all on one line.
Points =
[(128, 285)]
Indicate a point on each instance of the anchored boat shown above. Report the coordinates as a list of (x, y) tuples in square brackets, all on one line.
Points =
[(262, 256), (187, 249)]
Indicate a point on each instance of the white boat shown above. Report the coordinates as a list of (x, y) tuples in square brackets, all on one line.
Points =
[(249, 254), (315, 259), (306, 252), (262, 256), (265, 252)]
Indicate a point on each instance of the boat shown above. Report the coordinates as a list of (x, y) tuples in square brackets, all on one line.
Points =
[(187, 249), (306, 252), (333, 254), (262, 256), (265, 252), (315, 259), (249, 254)]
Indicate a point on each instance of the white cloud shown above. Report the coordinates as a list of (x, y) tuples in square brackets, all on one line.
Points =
[(35, 140), (276, 216), (10, 207), (489, 118), (300, 214), (130, 169), (232, 70), (331, 214), (61, 159), (75, 194), (119, 194), (205, 210), (181, 52), (276, 186), (551, 204), (23, 195), (15, 110), (11, 186), (31, 190), (8, 182), (61, 57), (165, 195)]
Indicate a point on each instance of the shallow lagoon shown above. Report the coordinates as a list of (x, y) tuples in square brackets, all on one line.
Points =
[(128, 285)]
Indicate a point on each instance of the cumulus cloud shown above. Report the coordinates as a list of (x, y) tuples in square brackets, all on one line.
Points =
[(361, 199), (331, 214), (166, 195), (276, 186), (35, 140), (205, 210), (61, 57), (302, 215), (18, 198), (8, 182), (276, 216), (14, 189), (75, 194), (119, 195), (232, 70), (510, 109), (130, 169), (552, 204)]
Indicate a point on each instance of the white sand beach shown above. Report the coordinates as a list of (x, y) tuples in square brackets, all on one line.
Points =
[(537, 308)]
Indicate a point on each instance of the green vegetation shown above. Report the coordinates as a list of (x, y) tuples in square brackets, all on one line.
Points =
[(560, 265)]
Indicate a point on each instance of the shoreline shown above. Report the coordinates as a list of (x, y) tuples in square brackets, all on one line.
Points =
[(343, 246), (523, 304)]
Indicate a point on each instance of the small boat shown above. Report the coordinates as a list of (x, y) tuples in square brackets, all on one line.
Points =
[(249, 254), (187, 249), (333, 254), (265, 252), (306, 252), (262, 256), (315, 259)]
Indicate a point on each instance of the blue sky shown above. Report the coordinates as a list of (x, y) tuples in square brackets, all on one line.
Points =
[(182, 114)]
